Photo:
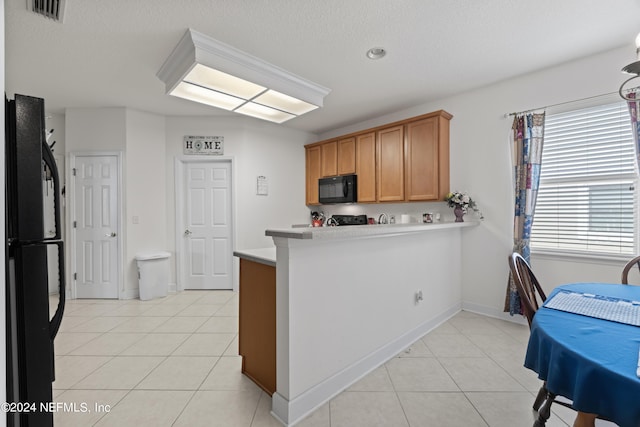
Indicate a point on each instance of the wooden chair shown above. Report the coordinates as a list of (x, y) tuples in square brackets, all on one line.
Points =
[(531, 294), (531, 298), (635, 262)]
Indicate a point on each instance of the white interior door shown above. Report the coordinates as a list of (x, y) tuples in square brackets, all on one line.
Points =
[(208, 228), (96, 227)]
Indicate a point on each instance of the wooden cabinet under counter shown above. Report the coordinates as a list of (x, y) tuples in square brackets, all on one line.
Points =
[(257, 322)]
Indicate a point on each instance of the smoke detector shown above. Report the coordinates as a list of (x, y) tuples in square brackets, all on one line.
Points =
[(52, 9)]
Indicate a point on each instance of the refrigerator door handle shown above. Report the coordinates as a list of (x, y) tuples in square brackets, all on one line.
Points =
[(56, 320), (48, 158), (54, 324)]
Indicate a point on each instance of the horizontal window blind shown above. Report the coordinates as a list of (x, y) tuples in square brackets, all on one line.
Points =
[(586, 199)]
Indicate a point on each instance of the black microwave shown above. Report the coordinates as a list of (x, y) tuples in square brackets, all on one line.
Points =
[(338, 189)]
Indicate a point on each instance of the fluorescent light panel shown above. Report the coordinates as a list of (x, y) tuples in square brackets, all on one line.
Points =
[(205, 70), (223, 82), (272, 98), (212, 87), (261, 112), (206, 96)]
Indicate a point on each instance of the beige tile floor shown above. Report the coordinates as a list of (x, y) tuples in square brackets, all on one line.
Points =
[(174, 362)]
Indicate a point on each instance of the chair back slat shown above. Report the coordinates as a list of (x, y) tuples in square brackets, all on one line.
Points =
[(531, 294), (635, 262)]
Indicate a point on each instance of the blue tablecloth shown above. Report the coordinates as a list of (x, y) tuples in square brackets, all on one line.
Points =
[(590, 361)]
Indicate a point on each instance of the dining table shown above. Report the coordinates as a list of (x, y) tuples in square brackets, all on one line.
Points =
[(585, 343)]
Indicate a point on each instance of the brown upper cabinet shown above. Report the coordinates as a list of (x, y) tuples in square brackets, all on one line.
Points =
[(338, 157), (313, 173), (347, 156), (390, 164), (329, 155), (330, 158), (366, 167), (427, 159), (402, 161)]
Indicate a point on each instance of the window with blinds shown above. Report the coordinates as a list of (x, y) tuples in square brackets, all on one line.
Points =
[(586, 199)]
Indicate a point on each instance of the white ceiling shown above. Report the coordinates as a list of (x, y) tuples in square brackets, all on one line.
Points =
[(107, 53)]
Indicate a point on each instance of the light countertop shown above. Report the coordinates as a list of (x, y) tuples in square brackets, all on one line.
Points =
[(351, 231), (265, 256)]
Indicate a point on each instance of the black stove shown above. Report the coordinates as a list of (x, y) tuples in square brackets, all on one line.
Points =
[(350, 219)]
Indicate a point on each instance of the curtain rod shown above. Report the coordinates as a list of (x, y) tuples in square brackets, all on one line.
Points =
[(558, 104)]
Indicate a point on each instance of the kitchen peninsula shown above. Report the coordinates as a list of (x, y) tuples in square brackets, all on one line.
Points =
[(347, 299)]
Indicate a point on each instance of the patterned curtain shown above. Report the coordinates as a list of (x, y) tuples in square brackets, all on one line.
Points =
[(634, 106), (527, 139)]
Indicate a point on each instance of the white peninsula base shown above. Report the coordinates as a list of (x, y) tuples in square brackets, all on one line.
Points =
[(347, 302)]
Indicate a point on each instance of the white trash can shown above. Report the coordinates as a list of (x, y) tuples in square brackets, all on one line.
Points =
[(153, 274)]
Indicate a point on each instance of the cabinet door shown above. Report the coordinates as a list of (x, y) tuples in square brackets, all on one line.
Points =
[(422, 172), (366, 167), (347, 156), (443, 155), (313, 165), (257, 323), (329, 154), (390, 164)]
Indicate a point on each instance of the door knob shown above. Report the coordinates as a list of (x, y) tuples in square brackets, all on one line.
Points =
[(187, 232), (112, 234)]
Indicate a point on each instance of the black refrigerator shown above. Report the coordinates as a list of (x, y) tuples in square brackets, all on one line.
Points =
[(31, 325)]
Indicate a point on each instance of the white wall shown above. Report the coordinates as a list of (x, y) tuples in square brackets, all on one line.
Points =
[(145, 191), (150, 144), (413, 209), (481, 165), (95, 129), (141, 138), (340, 317), (257, 148), (57, 123)]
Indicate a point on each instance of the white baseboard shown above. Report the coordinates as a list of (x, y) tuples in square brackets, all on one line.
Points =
[(493, 312), (135, 293), (290, 412), (130, 294)]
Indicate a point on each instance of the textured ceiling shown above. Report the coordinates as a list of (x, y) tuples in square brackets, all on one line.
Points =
[(107, 53)]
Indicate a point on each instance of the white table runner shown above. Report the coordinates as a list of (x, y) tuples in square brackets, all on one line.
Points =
[(608, 308)]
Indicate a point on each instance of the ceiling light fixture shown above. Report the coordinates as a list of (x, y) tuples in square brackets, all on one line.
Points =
[(208, 71), (633, 68), (376, 53)]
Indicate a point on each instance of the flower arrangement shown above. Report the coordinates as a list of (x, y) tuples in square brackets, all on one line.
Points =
[(462, 200), (458, 199)]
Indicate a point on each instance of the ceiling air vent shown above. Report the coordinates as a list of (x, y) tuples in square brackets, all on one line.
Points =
[(52, 9)]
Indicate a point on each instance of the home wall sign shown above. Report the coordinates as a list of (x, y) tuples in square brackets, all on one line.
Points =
[(209, 145)]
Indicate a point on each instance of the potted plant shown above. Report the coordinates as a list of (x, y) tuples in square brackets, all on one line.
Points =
[(461, 203)]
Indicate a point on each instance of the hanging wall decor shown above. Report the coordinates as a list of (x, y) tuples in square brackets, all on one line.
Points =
[(209, 145)]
